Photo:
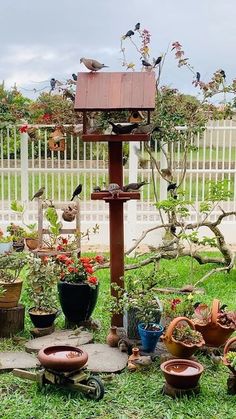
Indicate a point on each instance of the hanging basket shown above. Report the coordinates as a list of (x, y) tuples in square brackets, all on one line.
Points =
[(57, 140)]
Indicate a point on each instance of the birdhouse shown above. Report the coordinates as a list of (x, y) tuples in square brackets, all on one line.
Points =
[(57, 140), (136, 116)]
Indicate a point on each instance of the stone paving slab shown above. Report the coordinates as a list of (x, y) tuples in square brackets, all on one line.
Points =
[(11, 360), (103, 358), (62, 337)]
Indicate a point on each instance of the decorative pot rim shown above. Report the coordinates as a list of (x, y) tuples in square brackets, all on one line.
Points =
[(161, 328), (181, 361), (77, 283), (16, 281), (55, 311)]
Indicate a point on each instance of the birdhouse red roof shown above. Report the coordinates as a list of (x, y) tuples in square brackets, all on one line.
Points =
[(115, 91)]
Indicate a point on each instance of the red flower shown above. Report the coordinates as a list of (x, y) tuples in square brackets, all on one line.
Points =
[(68, 261), (64, 241), (59, 247), (89, 269), (85, 260), (23, 129), (99, 259), (174, 303), (71, 269), (92, 280), (47, 117)]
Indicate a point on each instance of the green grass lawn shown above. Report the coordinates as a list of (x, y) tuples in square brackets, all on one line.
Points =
[(129, 395)]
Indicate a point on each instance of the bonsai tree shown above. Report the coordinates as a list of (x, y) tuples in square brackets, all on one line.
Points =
[(11, 266)]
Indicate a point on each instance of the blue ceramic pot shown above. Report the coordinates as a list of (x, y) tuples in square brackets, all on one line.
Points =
[(149, 338)]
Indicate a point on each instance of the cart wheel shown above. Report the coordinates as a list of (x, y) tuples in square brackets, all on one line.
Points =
[(96, 383)]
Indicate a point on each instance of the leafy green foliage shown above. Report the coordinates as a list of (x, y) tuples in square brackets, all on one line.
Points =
[(11, 266), (55, 225)]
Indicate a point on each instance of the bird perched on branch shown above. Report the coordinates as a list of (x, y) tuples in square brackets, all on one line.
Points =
[(133, 186), (223, 74), (53, 83), (39, 193), (128, 34), (137, 27), (171, 187), (77, 191), (157, 61), (146, 64), (74, 77), (122, 129), (114, 190), (91, 64), (198, 76)]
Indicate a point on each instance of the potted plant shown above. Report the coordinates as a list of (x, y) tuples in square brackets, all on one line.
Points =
[(215, 324), (41, 288), (177, 307), (229, 358), (17, 233), (31, 239), (10, 269), (30, 234), (181, 338), (77, 286), (5, 243)]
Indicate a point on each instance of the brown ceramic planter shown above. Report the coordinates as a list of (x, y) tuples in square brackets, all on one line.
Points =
[(177, 348), (213, 332), (12, 293), (32, 244), (62, 358), (182, 373), (226, 350)]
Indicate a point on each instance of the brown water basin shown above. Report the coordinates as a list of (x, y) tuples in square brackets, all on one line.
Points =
[(182, 373), (62, 358)]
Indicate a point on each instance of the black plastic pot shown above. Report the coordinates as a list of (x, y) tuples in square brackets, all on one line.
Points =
[(77, 300), (43, 320), (18, 246)]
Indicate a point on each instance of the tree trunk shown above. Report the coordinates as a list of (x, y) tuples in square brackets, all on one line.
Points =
[(11, 320)]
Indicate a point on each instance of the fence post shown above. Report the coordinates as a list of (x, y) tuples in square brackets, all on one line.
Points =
[(24, 167), (131, 230)]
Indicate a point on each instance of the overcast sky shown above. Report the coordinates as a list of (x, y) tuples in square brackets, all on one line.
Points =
[(41, 39)]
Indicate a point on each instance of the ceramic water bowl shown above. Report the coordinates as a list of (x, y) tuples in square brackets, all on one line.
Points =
[(182, 373), (62, 358)]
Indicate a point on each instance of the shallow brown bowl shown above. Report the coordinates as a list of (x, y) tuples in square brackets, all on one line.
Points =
[(182, 373), (62, 358)]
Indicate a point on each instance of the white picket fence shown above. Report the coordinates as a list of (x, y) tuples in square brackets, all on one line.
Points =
[(26, 165)]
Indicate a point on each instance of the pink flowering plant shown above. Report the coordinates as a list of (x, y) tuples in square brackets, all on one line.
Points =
[(79, 269)]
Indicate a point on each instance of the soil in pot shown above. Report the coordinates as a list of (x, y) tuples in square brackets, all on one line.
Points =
[(42, 319), (12, 293)]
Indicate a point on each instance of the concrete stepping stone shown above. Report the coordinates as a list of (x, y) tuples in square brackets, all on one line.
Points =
[(11, 360), (103, 358), (62, 337)]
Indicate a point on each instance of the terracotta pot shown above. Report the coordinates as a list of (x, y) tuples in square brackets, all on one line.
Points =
[(182, 373), (178, 348), (227, 348), (135, 355), (112, 337), (32, 244), (12, 293), (62, 358), (213, 332)]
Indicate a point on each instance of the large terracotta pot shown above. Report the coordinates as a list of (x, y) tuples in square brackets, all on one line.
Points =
[(213, 332), (12, 293), (177, 348), (62, 358), (182, 373), (227, 348), (77, 300)]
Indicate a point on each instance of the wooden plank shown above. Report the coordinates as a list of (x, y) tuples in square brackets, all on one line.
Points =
[(114, 138), (25, 374), (115, 91), (122, 195)]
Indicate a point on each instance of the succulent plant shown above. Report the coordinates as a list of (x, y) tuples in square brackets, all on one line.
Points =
[(231, 358), (186, 334)]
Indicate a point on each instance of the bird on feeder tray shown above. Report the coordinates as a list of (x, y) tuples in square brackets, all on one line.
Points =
[(133, 186), (39, 193), (122, 129), (77, 191), (91, 64), (114, 190)]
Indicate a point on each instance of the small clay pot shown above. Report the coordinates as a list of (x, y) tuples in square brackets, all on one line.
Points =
[(112, 337), (135, 355), (182, 373), (32, 244), (62, 358)]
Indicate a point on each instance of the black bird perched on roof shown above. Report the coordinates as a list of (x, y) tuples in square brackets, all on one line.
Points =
[(223, 74), (133, 186), (53, 83), (128, 34), (77, 191), (39, 193), (74, 77), (157, 61), (123, 129), (198, 76), (137, 26), (171, 187), (146, 64)]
